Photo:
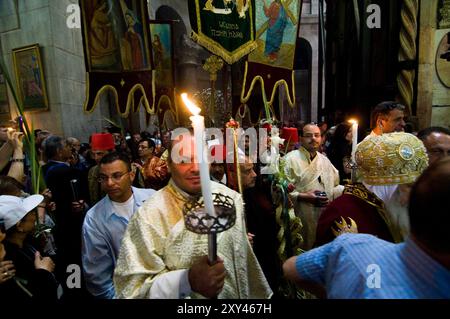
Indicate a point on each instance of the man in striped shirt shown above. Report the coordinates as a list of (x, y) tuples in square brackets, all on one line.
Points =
[(363, 266)]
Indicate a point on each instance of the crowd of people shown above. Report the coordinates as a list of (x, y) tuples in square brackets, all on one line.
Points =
[(114, 208)]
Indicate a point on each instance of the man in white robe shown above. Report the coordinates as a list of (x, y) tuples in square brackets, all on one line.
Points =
[(160, 258), (311, 173)]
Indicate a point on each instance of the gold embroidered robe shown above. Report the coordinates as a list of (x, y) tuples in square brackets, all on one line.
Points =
[(156, 241), (308, 175)]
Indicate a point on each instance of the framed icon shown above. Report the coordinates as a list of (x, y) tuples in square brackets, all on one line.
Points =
[(30, 78)]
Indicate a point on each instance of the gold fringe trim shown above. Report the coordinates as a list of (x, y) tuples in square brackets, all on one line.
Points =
[(130, 100), (247, 113), (259, 78), (217, 49)]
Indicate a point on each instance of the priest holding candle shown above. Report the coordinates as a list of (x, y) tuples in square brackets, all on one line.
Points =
[(161, 258)]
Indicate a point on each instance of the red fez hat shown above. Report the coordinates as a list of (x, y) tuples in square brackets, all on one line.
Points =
[(267, 126), (290, 134), (102, 141), (221, 152)]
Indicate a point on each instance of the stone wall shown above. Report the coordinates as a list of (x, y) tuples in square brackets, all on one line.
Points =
[(433, 98), (44, 22)]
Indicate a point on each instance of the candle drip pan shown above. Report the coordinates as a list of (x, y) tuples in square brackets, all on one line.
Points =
[(197, 220)]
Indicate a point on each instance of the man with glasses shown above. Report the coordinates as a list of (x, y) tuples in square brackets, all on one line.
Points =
[(387, 117), (357, 266), (437, 142), (316, 181), (105, 223)]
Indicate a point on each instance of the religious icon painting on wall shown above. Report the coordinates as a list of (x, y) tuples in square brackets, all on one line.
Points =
[(30, 78), (161, 37), (276, 32), (115, 35)]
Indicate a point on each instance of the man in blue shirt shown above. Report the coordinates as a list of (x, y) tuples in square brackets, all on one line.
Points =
[(105, 223), (363, 266)]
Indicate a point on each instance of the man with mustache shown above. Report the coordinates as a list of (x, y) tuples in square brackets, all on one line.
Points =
[(316, 181), (161, 259), (105, 223)]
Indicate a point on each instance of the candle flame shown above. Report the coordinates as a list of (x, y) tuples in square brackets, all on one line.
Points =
[(353, 121), (194, 109)]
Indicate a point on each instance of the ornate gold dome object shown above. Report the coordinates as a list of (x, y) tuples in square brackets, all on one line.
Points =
[(394, 158)]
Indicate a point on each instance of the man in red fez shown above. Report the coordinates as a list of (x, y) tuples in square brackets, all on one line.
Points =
[(290, 136), (101, 144)]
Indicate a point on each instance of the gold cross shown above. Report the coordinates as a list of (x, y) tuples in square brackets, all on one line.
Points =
[(212, 65)]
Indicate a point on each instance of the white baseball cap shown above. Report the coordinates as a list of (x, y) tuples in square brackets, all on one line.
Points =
[(13, 208)]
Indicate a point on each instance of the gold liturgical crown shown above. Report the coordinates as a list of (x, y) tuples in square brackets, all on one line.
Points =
[(393, 158)]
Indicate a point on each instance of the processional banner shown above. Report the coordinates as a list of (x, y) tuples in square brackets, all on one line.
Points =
[(223, 27), (117, 53), (271, 64)]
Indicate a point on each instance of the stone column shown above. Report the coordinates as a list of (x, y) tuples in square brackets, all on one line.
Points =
[(426, 61)]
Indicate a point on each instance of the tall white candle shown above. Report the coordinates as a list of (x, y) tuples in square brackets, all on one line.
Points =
[(354, 138), (198, 123)]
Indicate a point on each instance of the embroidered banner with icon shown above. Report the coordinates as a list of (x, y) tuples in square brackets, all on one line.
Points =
[(271, 64), (117, 53), (223, 27)]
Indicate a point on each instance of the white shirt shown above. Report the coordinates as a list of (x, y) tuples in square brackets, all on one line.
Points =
[(124, 209), (384, 192)]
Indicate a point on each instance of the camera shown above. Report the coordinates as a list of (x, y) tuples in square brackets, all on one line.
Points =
[(320, 194)]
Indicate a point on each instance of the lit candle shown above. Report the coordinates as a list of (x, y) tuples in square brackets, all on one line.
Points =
[(354, 138), (198, 123)]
